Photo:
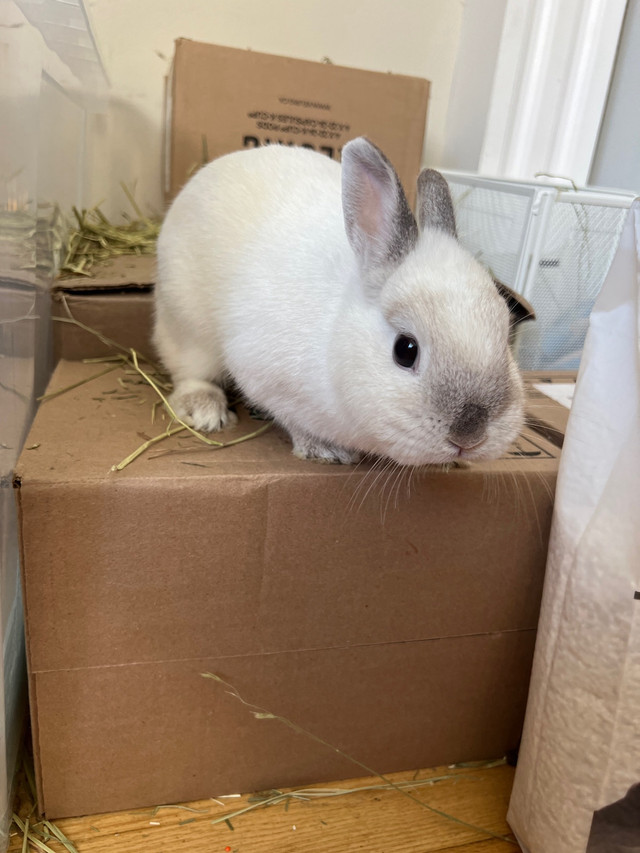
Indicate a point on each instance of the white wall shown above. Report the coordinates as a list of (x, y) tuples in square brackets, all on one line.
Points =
[(135, 37), (472, 84), (617, 159), (555, 61)]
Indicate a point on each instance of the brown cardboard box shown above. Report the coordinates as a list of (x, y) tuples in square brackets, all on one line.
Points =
[(397, 624), (544, 414), (116, 301), (221, 99)]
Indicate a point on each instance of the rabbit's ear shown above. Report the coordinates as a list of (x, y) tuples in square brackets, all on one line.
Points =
[(520, 310), (380, 226), (435, 207)]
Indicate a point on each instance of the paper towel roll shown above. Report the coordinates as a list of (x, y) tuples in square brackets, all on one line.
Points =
[(581, 744)]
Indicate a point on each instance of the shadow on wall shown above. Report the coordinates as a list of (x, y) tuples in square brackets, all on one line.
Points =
[(616, 828)]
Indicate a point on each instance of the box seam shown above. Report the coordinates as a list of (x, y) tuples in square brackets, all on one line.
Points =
[(244, 655)]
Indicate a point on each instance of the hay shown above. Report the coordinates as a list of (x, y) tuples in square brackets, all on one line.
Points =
[(38, 833), (95, 240), (29, 836), (52, 394), (263, 799), (145, 446), (129, 360), (263, 714)]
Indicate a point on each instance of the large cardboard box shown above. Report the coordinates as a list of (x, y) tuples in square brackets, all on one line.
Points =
[(116, 302), (395, 621), (221, 99)]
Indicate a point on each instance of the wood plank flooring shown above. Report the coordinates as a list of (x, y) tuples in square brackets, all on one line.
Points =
[(375, 821)]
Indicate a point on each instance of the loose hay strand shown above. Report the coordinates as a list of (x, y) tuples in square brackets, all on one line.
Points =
[(133, 203), (219, 445), (262, 714), (40, 830), (130, 358), (248, 436), (57, 393), (62, 838), (31, 838), (168, 407), (25, 837), (306, 794), (109, 342), (147, 444)]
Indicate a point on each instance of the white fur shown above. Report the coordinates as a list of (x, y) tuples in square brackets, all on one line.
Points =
[(257, 280)]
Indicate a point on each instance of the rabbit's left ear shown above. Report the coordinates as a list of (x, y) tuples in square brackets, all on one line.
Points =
[(379, 224), (519, 309)]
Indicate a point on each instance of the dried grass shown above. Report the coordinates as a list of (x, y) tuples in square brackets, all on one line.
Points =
[(39, 832), (402, 788), (95, 240), (130, 362)]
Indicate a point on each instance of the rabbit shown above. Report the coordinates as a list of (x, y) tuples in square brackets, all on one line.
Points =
[(358, 329)]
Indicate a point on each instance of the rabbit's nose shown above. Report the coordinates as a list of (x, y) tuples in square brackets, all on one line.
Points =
[(469, 427)]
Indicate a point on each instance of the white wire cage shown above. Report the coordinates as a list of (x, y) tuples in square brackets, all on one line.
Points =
[(549, 243)]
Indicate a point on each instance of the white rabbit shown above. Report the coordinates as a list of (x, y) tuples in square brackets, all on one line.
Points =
[(356, 328)]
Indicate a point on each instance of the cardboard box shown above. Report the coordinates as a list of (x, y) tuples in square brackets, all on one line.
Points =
[(116, 301), (221, 99), (396, 624), (548, 408)]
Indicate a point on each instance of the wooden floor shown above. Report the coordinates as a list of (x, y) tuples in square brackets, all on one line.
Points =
[(376, 821)]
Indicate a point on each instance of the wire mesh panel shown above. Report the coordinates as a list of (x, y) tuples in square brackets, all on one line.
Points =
[(492, 223), (551, 245), (576, 251)]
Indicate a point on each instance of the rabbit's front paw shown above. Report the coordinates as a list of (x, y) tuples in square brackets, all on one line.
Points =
[(202, 405)]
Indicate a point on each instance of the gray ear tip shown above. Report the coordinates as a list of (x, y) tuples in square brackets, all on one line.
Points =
[(358, 142), (362, 148), (431, 176), (361, 154), (435, 205)]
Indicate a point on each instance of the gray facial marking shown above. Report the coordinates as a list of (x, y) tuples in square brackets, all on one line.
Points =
[(435, 206), (470, 424), (468, 399)]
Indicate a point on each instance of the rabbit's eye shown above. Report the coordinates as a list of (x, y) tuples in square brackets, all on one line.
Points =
[(405, 351)]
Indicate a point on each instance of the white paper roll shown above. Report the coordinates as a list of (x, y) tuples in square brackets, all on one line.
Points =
[(581, 745)]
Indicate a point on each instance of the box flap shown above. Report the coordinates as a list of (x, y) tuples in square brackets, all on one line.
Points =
[(123, 272)]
